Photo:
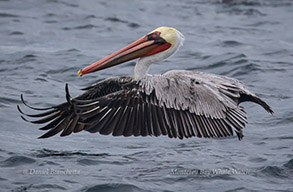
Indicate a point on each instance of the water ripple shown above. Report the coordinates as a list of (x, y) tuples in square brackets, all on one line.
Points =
[(274, 171), (8, 15), (114, 187), (87, 26), (52, 153), (39, 187), (17, 160), (289, 164), (16, 33), (117, 20), (230, 43)]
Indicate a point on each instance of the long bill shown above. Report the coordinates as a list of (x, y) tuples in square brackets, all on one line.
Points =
[(144, 46)]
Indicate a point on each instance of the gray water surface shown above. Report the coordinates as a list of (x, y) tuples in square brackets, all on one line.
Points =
[(44, 43)]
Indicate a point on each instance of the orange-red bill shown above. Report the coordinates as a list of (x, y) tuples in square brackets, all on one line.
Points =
[(144, 46)]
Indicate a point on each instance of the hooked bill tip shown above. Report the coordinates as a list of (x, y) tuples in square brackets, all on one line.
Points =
[(79, 73)]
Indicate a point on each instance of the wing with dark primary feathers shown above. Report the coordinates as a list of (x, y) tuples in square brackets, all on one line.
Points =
[(177, 103), (64, 117)]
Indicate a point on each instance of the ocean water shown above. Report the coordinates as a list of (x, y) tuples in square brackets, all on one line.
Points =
[(44, 43)]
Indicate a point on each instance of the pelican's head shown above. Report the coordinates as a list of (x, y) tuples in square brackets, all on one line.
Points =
[(170, 35), (157, 45)]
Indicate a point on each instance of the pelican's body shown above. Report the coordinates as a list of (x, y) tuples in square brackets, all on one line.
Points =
[(177, 103)]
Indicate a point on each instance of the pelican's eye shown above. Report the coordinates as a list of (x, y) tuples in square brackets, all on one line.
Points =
[(156, 34)]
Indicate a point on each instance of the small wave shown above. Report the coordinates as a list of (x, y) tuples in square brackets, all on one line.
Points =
[(86, 162), (63, 2), (259, 143), (109, 187), (8, 15), (241, 2), (6, 100), (224, 59), (73, 50), (280, 148), (51, 21), (275, 171), (90, 17), (279, 138), (51, 153), (88, 26), (221, 61), (40, 187), (115, 19), (3, 105), (226, 177), (246, 69), (22, 188), (242, 11), (246, 29), (47, 186), (278, 52), (51, 15), (285, 119), (41, 79), (284, 3), (17, 161), (3, 179), (65, 52), (16, 33), (261, 23), (27, 58), (257, 159), (70, 4), (133, 25), (289, 164), (250, 12), (237, 189), (62, 70), (230, 43)]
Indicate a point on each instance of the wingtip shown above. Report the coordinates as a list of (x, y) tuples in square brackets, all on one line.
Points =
[(271, 111), (20, 111), (21, 97), (267, 107), (44, 136), (18, 108), (239, 135), (34, 108), (63, 134), (68, 97), (23, 118)]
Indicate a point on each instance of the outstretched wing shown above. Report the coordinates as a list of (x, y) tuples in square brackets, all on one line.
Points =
[(63, 117), (178, 104)]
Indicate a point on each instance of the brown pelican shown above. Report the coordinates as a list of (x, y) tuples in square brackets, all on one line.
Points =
[(177, 103)]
